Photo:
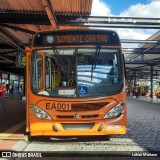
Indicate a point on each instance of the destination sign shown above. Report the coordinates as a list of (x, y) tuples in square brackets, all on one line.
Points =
[(85, 37), (82, 38)]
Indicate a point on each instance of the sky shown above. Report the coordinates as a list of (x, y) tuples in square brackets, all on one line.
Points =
[(128, 8), (124, 4)]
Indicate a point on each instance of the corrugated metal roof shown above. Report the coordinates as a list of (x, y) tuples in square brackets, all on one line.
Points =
[(147, 57), (21, 5), (155, 36), (15, 36), (72, 6), (55, 7), (59, 6)]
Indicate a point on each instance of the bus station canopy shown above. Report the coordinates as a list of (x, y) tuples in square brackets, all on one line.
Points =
[(21, 19)]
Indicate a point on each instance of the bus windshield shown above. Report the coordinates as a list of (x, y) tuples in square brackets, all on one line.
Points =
[(77, 72)]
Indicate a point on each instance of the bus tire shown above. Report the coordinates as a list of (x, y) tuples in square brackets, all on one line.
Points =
[(29, 137), (106, 137)]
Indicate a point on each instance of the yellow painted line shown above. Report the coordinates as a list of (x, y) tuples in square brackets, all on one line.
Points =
[(10, 131), (12, 137)]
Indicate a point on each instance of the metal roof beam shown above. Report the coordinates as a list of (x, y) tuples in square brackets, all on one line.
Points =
[(50, 13), (142, 69), (142, 53), (138, 49), (140, 41), (13, 41), (6, 46), (32, 17), (12, 69), (121, 20), (24, 17), (153, 62), (113, 22), (8, 52), (7, 58), (135, 62), (97, 24), (151, 47), (51, 17), (17, 28)]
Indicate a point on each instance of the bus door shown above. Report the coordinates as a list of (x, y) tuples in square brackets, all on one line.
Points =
[(43, 74), (39, 80), (28, 71)]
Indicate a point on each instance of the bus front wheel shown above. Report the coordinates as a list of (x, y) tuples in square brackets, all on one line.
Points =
[(29, 137)]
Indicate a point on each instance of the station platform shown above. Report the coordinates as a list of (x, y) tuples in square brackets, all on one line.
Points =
[(12, 124), (147, 99)]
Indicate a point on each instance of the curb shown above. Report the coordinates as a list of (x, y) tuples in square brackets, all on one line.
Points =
[(142, 100), (20, 145)]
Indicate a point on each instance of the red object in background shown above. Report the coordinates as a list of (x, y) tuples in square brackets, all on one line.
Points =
[(2, 91)]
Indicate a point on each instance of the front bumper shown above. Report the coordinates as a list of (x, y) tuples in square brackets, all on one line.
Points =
[(58, 128)]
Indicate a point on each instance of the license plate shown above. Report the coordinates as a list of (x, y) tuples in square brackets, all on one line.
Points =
[(63, 106)]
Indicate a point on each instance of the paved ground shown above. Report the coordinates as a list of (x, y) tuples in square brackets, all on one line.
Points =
[(143, 134), (17, 110), (12, 124), (148, 99), (144, 124)]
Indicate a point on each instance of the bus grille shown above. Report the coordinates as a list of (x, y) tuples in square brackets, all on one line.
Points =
[(86, 107), (82, 126), (72, 116)]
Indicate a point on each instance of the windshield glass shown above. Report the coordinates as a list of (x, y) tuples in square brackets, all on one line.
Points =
[(77, 73)]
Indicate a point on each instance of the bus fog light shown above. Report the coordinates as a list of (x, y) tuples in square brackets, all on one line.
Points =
[(39, 113), (115, 111)]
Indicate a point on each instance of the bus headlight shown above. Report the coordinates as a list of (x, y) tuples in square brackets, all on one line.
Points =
[(39, 113), (115, 111)]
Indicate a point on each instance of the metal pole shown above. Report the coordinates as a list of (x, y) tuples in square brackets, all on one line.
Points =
[(24, 83), (19, 83), (151, 95), (134, 83)]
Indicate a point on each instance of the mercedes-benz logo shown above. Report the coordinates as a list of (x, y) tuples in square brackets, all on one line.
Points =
[(50, 39), (77, 116)]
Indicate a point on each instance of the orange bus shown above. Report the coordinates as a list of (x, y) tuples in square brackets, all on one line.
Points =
[(75, 84)]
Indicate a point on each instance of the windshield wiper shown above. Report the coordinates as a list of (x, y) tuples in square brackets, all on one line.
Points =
[(94, 62)]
